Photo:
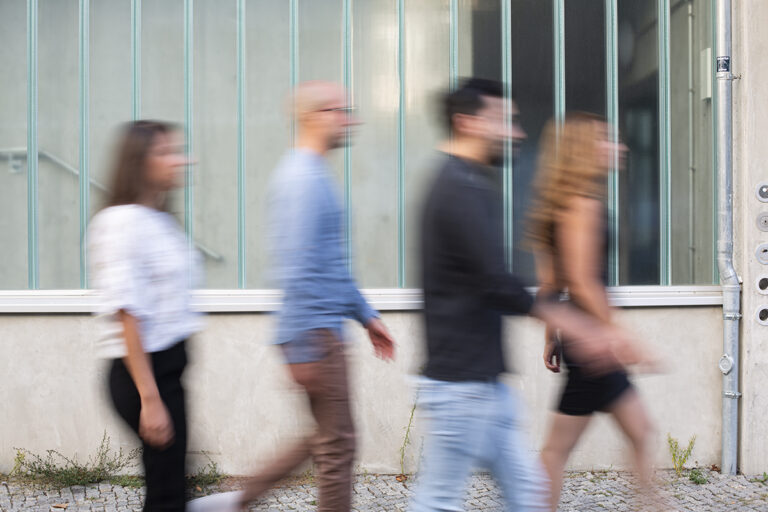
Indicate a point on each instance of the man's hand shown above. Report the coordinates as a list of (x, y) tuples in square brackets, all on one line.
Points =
[(155, 425), (382, 341)]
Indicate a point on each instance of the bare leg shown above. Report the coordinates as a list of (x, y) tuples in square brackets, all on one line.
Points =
[(631, 416), (564, 433)]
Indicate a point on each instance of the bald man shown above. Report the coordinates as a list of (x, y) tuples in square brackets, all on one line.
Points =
[(308, 244)]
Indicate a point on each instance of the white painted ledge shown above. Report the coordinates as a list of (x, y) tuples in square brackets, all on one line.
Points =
[(384, 299)]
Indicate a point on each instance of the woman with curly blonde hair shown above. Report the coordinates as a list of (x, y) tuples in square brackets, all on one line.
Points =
[(567, 231)]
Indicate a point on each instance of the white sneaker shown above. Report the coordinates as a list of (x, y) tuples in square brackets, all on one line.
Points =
[(222, 502)]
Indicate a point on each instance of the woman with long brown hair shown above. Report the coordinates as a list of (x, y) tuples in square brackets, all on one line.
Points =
[(567, 230), (141, 267)]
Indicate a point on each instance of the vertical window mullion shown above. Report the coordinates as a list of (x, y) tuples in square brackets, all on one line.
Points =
[(347, 78), (84, 176), (453, 65), (32, 150), (612, 115), (506, 73), (136, 59), (664, 143), (293, 43), (558, 12), (241, 145), (188, 115), (401, 198)]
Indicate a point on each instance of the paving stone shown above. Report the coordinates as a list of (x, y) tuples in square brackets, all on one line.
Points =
[(582, 492)]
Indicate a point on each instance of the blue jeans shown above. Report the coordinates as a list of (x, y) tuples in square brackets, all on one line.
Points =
[(471, 424)]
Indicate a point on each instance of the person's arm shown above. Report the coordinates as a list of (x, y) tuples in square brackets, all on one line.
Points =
[(580, 241), (361, 310), (155, 425), (298, 211), (545, 274), (464, 214), (118, 277), (593, 339), (464, 219), (381, 339)]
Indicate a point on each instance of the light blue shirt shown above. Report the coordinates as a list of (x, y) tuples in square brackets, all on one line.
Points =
[(308, 251)]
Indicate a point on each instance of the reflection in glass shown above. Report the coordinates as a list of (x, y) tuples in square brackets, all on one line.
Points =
[(374, 150), (109, 89), (320, 53), (58, 144), (267, 130), (162, 70), (639, 242), (691, 173), (162, 60), (533, 86), (585, 56), (13, 142), (426, 76), (215, 140)]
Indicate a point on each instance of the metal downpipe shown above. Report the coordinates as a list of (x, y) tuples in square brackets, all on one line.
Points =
[(729, 280)]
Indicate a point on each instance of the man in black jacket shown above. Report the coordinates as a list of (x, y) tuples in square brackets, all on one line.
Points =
[(473, 418)]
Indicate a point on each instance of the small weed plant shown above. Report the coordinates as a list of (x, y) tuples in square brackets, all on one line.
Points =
[(129, 481), (679, 455), (761, 479), (61, 471), (402, 477), (697, 476), (206, 475)]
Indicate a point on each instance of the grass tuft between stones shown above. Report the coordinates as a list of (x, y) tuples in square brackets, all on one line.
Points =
[(56, 469)]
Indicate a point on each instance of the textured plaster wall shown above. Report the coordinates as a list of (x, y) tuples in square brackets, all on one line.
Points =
[(243, 407)]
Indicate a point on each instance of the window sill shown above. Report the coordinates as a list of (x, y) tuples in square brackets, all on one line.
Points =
[(385, 299)]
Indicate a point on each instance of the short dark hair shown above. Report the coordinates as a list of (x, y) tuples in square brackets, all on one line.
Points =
[(468, 98)]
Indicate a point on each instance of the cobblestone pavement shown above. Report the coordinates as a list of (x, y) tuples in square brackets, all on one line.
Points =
[(583, 491)]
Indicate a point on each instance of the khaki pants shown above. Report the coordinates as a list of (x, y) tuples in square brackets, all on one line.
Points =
[(332, 446)]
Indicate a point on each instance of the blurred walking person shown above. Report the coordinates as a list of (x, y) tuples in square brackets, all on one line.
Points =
[(319, 294), (141, 267), (472, 418), (568, 230)]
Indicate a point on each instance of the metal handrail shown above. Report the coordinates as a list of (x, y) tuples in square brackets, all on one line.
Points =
[(21, 153)]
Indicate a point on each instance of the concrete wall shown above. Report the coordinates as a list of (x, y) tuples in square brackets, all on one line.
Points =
[(243, 407), (750, 153)]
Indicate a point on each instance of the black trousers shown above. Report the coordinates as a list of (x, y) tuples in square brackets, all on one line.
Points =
[(163, 469)]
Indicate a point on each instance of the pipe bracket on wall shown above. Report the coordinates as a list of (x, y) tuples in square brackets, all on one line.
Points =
[(731, 394), (725, 364)]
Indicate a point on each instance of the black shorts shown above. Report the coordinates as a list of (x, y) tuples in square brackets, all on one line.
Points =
[(585, 394)]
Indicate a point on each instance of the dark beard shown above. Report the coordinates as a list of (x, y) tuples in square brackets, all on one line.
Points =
[(497, 160)]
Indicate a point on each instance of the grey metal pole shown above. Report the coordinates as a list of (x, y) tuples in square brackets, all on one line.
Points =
[(729, 362)]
